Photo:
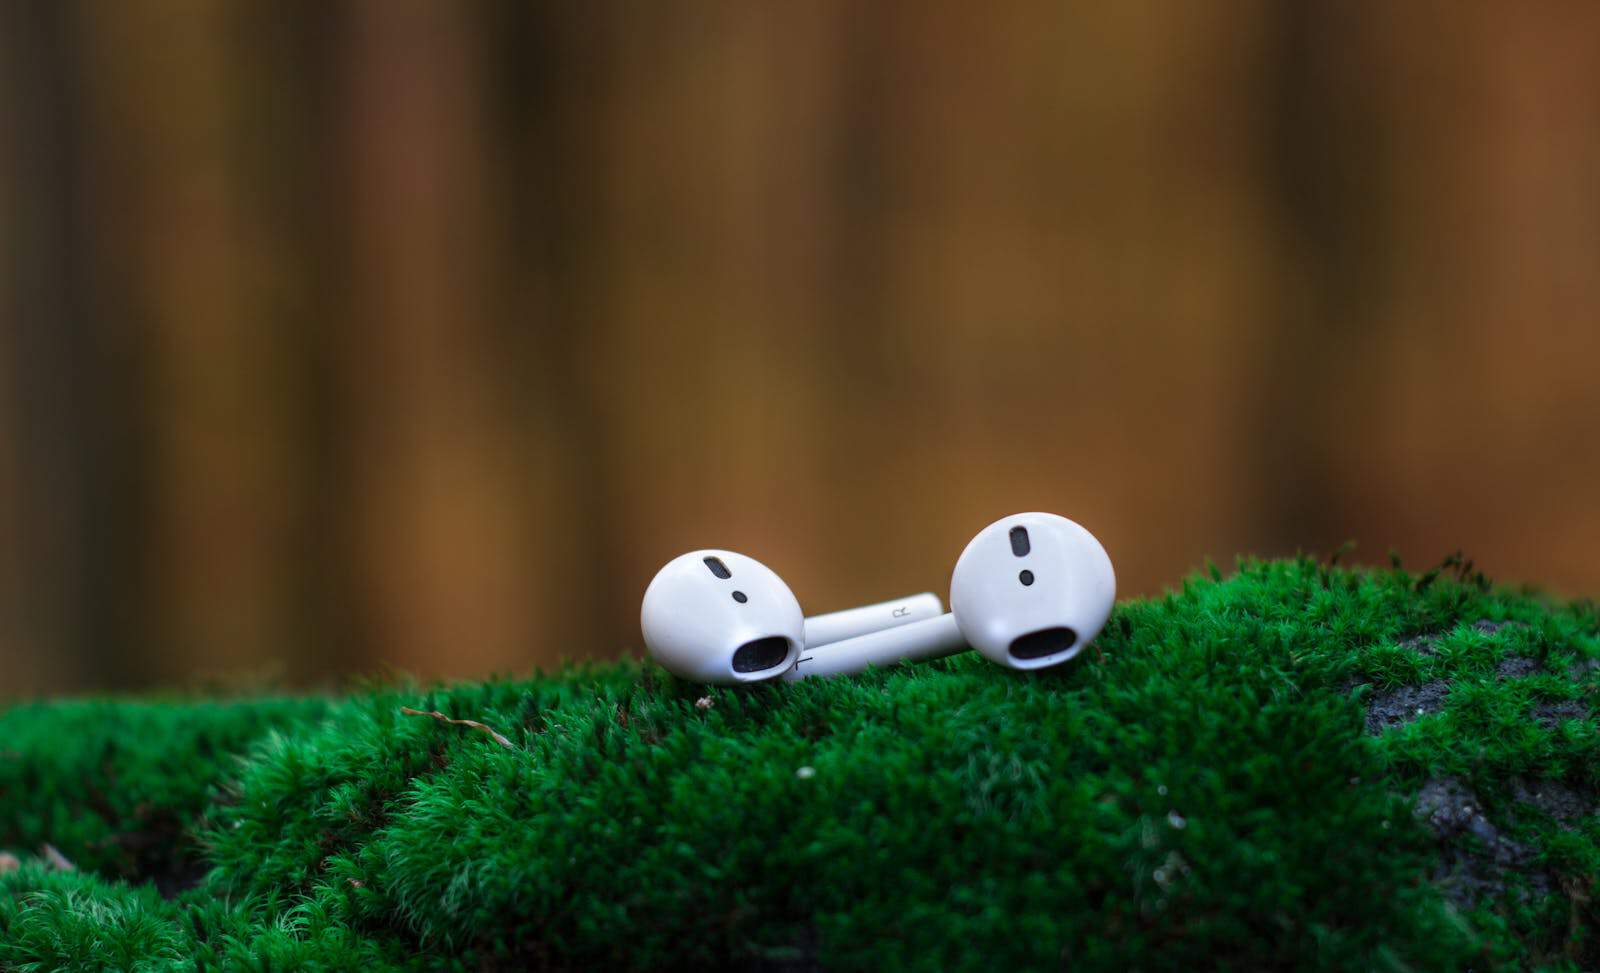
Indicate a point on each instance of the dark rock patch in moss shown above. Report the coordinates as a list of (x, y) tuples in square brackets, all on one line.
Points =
[(1515, 667), (1555, 799), (1400, 705), (1551, 714), (1477, 858)]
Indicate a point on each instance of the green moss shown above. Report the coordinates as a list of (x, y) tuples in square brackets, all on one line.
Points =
[(1205, 794), (118, 786)]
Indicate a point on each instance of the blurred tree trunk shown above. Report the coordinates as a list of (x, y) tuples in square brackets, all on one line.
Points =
[(285, 58), (1328, 147), (431, 463), (182, 259), (66, 500), (552, 79), (1491, 336)]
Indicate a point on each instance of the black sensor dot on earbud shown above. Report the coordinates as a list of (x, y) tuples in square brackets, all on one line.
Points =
[(739, 596), (1026, 577)]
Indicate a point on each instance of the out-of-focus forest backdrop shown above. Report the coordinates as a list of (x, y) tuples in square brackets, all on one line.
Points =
[(344, 335)]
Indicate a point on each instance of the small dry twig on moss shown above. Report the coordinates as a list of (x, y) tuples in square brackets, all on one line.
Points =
[(57, 860), (445, 719)]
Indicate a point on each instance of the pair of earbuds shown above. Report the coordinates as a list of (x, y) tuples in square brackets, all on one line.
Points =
[(1030, 591)]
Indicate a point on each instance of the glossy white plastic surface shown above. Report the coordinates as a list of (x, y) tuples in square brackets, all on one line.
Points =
[(1007, 600), (1072, 587), (693, 621), (841, 625), (927, 639)]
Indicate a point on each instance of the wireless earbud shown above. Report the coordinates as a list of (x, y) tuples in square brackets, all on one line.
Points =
[(719, 617), (1030, 591)]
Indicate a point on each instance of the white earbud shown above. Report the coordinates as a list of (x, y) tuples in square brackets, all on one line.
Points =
[(1031, 590), (719, 617)]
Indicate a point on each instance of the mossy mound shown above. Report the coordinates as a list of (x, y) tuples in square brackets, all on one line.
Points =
[(1212, 790)]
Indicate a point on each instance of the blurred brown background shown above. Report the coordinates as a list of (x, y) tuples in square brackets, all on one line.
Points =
[(336, 336)]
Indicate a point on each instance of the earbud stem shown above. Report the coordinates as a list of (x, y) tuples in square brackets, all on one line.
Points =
[(927, 639), (841, 625)]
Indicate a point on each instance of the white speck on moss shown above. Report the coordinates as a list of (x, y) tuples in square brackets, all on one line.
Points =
[(806, 773), (704, 703), (1162, 790), (1177, 820)]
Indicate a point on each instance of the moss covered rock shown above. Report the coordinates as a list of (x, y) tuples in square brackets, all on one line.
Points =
[(1294, 767)]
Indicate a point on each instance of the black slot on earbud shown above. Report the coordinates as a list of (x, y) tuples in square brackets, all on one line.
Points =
[(760, 654), (718, 568), (1019, 542), (1049, 641)]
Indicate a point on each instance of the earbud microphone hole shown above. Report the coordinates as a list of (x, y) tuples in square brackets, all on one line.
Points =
[(1045, 642), (1026, 577), (740, 597), (760, 654)]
